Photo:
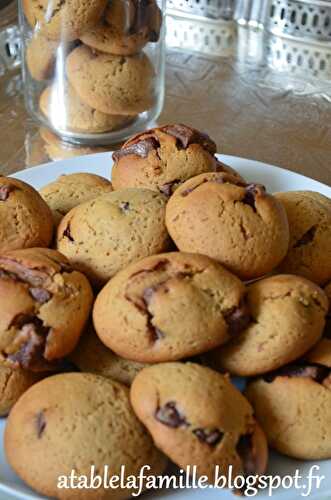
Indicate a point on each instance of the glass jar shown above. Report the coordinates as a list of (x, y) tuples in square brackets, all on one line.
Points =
[(93, 69)]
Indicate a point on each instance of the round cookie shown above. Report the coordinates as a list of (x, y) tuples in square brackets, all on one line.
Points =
[(44, 307), (327, 332), (127, 27), (71, 190), (77, 116), (60, 20), (25, 218), (162, 158), (293, 406), (13, 383), (111, 84), (40, 57), (104, 235), (309, 254), (56, 149), (288, 316), (91, 355), (48, 435), (238, 224), (169, 307), (198, 418)]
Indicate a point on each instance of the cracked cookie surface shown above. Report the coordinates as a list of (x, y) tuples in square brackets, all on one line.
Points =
[(163, 158), (102, 236), (92, 356), (238, 224), (13, 383), (197, 417), (309, 216), (287, 319), (109, 83), (78, 116), (170, 306), (47, 435), (127, 27), (63, 19), (45, 305), (68, 191), (293, 406), (25, 219)]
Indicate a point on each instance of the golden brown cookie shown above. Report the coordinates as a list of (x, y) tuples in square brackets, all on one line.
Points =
[(76, 116), (169, 307), (104, 235), (13, 383), (127, 27), (309, 254), (25, 218), (60, 20), (91, 355), (198, 418), (40, 57), (293, 406), (56, 149), (75, 421), (288, 317), (44, 307), (238, 224), (111, 84), (71, 190), (163, 158)]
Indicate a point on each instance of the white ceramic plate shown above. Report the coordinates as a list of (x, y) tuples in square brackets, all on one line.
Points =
[(276, 179)]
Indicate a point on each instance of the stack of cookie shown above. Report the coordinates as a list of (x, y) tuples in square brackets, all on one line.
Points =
[(197, 276), (91, 55)]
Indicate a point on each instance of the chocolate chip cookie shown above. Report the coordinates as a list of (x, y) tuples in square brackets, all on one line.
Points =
[(309, 254), (13, 383), (63, 20), (40, 57), (76, 421), (91, 355), (287, 319), (78, 116), (111, 84), (169, 307), (71, 190), (25, 218), (293, 406), (197, 417), (104, 235), (127, 27), (163, 158), (44, 307), (238, 224)]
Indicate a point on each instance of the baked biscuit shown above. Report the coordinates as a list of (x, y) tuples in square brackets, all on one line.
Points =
[(169, 307), (238, 224), (163, 158), (77, 116), (68, 191), (104, 235), (13, 383), (198, 418), (92, 356), (76, 421), (127, 27), (112, 84), (60, 20), (288, 317), (309, 254), (44, 307), (40, 57), (293, 406), (25, 218)]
